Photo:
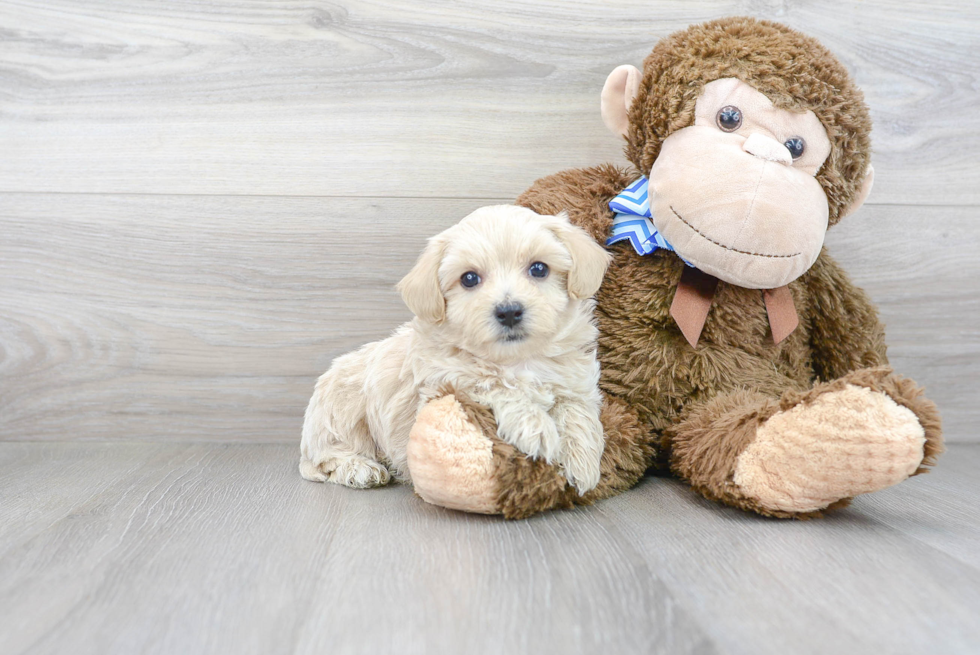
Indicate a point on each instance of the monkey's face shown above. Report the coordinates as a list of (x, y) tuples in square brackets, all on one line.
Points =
[(742, 189), (736, 194)]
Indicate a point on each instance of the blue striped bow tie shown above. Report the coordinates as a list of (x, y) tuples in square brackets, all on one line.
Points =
[(632, 221)]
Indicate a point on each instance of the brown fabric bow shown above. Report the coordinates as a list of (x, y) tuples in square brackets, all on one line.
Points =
[(696, 290)]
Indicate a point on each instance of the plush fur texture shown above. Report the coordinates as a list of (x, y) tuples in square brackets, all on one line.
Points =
[(449, 466), (698, 411), (538, 375), (793, 70), (845, 442), (703, 405)]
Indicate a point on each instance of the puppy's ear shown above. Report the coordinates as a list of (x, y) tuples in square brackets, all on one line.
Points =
[(589, 259), (420, 288)]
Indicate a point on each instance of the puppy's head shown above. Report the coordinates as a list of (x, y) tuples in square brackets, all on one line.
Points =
[(501, 282)]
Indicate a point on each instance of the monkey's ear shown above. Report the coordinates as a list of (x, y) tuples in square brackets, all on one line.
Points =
[(618, 93), (420, 288), (862, 194), (589, 259)]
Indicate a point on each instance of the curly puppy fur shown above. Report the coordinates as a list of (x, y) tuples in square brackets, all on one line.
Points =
[(518, 339)]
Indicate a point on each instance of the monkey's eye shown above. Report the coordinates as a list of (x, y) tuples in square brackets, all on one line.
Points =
[(796, 145), (538, 269), (469, 279), (729, 118)]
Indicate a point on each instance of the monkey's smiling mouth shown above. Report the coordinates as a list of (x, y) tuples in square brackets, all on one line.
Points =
[(721, 245)]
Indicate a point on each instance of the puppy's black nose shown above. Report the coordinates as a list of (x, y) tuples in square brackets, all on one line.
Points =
[(509, 314)]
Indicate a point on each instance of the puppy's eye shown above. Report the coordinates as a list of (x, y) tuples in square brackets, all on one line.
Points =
[(469, 279), (538, 269), (729, 118)]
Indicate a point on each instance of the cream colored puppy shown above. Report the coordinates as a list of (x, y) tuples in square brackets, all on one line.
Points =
[(503, 314)]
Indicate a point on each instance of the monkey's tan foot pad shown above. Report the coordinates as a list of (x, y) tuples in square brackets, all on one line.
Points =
[(843, 443), (450, 460)]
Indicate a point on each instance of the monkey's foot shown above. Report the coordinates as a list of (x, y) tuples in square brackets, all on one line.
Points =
[(450, 460), (833, 444)]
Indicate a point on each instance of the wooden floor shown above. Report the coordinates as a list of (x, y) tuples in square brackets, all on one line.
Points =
[(222, 548)]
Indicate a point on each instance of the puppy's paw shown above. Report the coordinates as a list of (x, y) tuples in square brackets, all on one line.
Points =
[(534, 433), (582, 444), (360, 473), (352, 471), (580, 466)]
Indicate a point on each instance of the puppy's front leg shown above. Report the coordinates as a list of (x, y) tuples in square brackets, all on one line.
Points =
[(581, 442), (526, 426)]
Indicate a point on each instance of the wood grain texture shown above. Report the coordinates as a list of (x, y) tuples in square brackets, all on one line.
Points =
[(829, 586), (210, 548), (209, 318), (189, 317), (435, 99), (217, 549), (921, 265)]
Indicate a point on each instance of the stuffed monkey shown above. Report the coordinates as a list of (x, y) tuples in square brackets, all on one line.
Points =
[(735, 352)]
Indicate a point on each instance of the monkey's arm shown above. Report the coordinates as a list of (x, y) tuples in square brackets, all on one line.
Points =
[(584, 193), (457, 461), (845, 333)]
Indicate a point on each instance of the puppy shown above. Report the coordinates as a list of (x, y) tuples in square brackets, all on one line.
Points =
[(503, 315)]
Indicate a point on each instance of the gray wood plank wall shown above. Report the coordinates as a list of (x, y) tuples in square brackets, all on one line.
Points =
[(202, 203)]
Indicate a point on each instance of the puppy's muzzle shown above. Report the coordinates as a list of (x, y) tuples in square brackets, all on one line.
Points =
[(509, 314)]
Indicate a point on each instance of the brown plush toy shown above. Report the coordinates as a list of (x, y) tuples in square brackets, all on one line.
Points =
[(735, 351)]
